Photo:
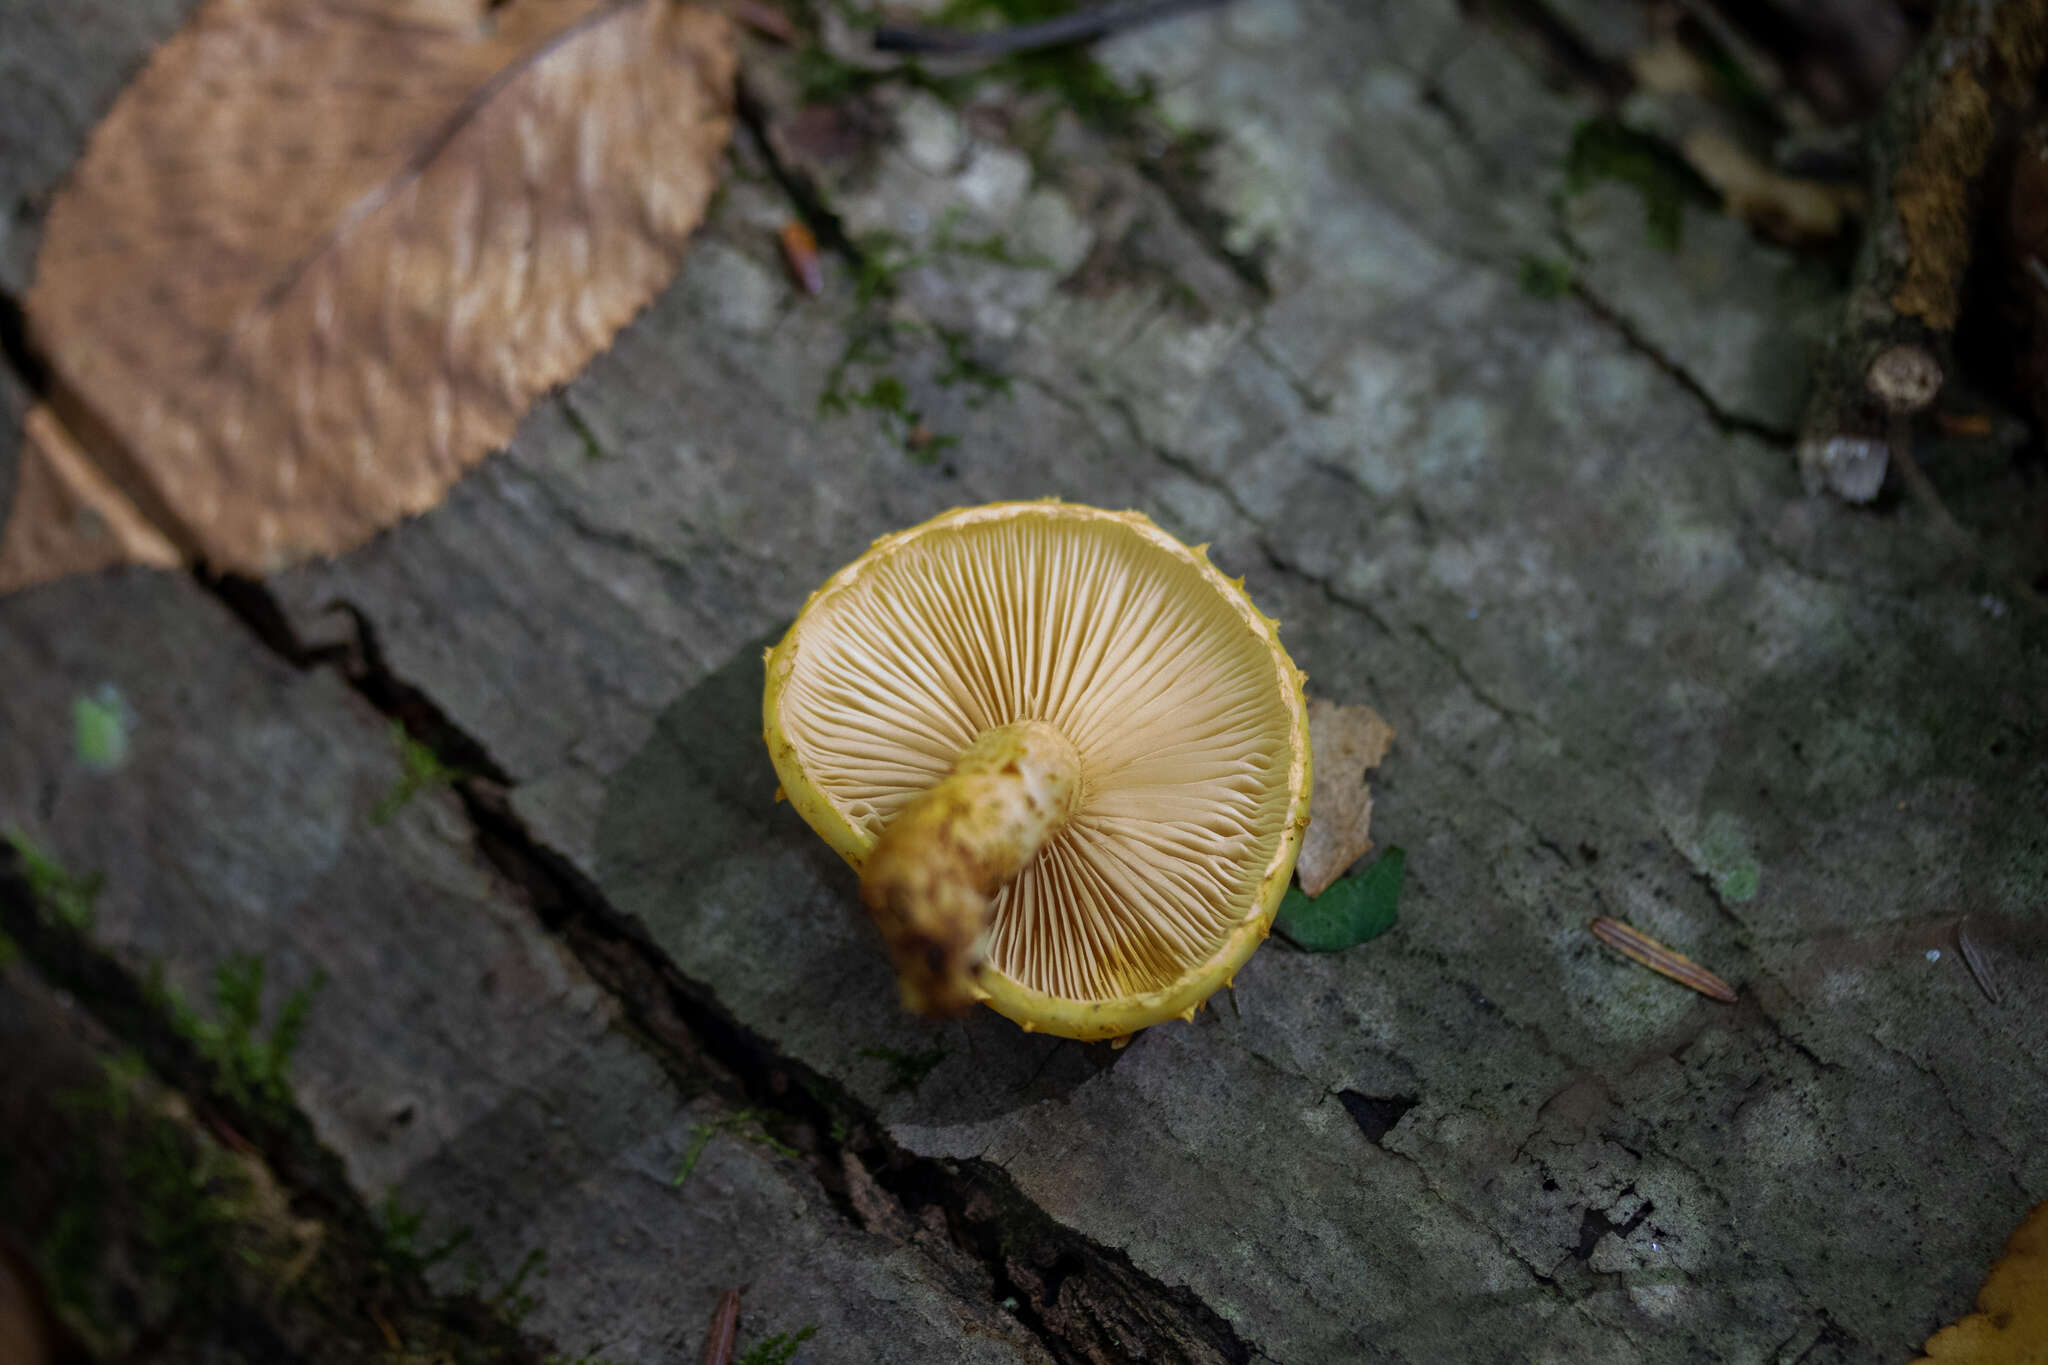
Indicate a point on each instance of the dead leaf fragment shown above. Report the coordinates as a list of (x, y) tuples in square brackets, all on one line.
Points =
[(2010, 1326), (1779, 206), (322, 254), (68, 517), (1347, 741)]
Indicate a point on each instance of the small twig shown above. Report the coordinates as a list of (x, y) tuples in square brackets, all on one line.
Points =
[(1079, 27), (1634, 943)]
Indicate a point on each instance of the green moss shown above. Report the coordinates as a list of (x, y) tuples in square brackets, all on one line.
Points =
[(1734, 87), (592, 450), (1082, 85), (1544, 279), (1069, 72), (970, 13), (886, 393), (1724, 855), (1076, 80), (885, 256), (515, 1300), (248, 1065), (700, 1138), (1607, 149), (139, 1180), (963, 367), (907, 1070), (947, 240), (867, 346), (1725, 858), (402, 1247), (777, 1349), (745, 1124), (878, 342), (419, 766), (187, 1196), (822, 78), (59, 895)]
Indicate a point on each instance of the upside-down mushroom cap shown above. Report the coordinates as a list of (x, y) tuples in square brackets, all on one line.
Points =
[(1181, 706)]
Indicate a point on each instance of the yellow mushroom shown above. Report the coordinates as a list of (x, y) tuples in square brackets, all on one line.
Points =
[(1068, 757)]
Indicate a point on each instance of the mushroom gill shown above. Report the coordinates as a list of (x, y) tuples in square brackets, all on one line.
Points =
[(1181, 713)]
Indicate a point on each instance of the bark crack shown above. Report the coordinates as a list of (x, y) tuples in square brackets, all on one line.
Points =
[(1086, 1304), (1728, 423), (364, 1269)]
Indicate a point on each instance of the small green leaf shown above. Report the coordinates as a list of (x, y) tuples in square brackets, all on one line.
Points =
[(1348, 913)]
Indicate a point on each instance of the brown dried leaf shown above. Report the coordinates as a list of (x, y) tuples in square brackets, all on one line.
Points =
[(1346, 742), (322, 254), (2010, 1326)]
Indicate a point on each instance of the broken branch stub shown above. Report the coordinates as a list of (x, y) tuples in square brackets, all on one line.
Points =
[(320, 257), (1930, 149)]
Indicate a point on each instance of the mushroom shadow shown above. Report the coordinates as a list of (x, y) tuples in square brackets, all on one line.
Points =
[(735, 888)]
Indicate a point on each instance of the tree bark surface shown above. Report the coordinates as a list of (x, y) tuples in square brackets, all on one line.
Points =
[(591, 991)]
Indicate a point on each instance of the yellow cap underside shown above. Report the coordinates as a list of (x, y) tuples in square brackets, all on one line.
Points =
[(1033, 1009)]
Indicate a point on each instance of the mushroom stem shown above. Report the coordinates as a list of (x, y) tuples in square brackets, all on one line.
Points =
[(937, 867)]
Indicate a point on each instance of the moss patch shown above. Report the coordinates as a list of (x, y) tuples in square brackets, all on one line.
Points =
[(907, 1070), (248, 1064), (61, 897), (1723, 854), (1607, 149), (1541, 278), (419, 766), (745, 1124), (777, 1349)]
